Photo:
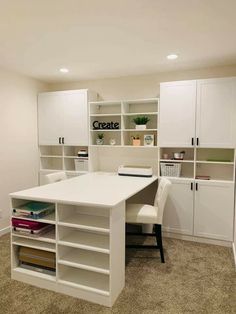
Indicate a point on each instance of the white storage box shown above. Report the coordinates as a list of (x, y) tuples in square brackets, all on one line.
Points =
[(170, 169), (81, 164)]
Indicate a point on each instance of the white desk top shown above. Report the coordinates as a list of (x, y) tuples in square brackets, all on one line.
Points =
[(98, 189)]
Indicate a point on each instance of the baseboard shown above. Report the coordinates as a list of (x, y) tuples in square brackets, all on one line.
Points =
[(196, 239), (4, 231), (234, 252)]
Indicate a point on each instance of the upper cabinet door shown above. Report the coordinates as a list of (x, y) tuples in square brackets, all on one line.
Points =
[(75, 118), (50, 118), (216, 108), (177, 114)]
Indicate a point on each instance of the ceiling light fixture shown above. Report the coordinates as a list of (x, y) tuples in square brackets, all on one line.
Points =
[(172, 57), (64, 70)]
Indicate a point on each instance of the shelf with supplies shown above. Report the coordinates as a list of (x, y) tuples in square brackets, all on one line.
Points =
[(116, 122)]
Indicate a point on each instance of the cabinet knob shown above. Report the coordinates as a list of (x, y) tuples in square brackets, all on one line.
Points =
[(196, 186), (59, 140), (191, 186), (63, 140), (197, 141), (192, 141)]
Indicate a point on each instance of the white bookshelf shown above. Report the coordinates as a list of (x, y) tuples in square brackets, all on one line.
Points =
[(124, 112), (54, 158)]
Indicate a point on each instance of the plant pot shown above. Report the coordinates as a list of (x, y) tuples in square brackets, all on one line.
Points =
[(136, 142), (140, 126), (99, 141)]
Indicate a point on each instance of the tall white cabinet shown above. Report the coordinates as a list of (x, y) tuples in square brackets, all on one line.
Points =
[(198, 113), (63, 131), (199, 117), (177, 118), (63, 117)]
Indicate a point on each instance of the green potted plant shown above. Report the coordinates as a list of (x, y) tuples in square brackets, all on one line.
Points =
[(140, 122), (100, 139)]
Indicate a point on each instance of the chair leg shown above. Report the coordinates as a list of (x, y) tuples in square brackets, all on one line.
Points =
[(159, 241)]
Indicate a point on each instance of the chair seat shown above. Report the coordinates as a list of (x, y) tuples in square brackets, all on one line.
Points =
[(142, 213)]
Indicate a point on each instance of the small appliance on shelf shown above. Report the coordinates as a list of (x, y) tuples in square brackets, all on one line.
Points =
[(82, 153), (135, 171)]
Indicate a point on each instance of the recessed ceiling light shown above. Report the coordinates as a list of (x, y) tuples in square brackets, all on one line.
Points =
[(172, 57), (64, 70)]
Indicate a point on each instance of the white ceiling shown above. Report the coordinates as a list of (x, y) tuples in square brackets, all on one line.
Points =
[(110, 38)]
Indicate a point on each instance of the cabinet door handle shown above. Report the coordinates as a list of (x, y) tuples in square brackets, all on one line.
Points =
[(196, 186), (191, 186), (197, 141), (192, 141), (59, 140), (63, 140)]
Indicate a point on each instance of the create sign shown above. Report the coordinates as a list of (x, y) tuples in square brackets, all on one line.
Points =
[(106, 125)]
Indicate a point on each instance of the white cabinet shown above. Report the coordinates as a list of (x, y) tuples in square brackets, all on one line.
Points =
[(209, 104), (200, 208), (216, 112), (50, 117), (177, 114), (178, 213), (63, 117), (214, 210)]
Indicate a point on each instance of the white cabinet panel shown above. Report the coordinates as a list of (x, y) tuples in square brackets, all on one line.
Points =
[(75, 128), (177, 113), (50, 117), (216, 112), (63, 114), (178, 213), (213, 214)]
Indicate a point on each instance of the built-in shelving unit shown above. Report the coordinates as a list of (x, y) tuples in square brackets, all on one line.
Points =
[(83, 240), (54, 158), (123, 112), (213, 164)]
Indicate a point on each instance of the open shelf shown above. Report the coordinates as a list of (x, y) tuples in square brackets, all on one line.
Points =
[(84, 240), (108, 136), (169, 152), (139, 106), (105, 107), (46, 237), (129, 123), (50, 150), (49, 219), (215, 155), (34, 273), (72, 151), (129, 134), (51, 163), (86, 222), (84, 279), (216, 171), (33, 243), (93, 261)]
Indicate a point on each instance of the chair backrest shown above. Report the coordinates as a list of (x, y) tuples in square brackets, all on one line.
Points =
[(161, 196), (55, 177)]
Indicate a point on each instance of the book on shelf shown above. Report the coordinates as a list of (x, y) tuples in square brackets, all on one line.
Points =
[(34, 210)]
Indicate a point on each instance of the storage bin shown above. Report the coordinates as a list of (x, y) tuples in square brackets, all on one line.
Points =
[(81, 164), (170, 169)]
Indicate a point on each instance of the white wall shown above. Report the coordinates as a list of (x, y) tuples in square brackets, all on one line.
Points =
[(132, 87), (18, 129)]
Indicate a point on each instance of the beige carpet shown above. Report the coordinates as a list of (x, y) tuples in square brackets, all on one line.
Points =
[(196, 278)]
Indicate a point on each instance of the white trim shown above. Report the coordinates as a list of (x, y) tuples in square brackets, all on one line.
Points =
[(234, 252), (4, 230), (197, 239)]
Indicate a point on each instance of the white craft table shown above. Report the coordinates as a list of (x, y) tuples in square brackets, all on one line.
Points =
[(89, 238)]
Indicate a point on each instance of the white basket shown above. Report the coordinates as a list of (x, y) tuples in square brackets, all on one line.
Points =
[(170, 169)]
